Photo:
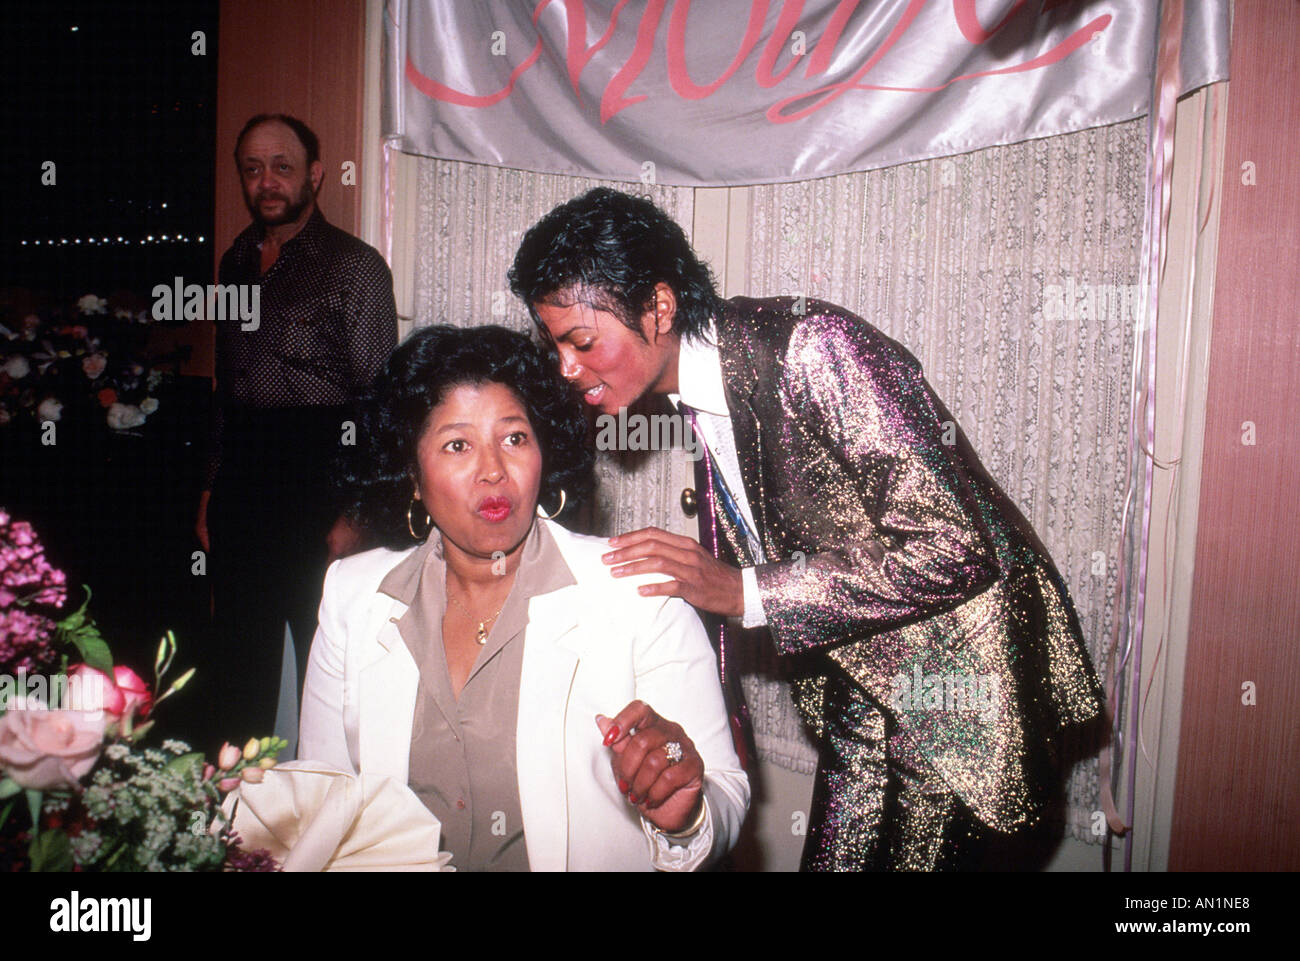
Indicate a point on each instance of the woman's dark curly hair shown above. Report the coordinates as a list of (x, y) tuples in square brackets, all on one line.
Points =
[(376, 476), (609, 249)]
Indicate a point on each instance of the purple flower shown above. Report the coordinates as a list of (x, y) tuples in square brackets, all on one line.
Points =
[(25, 574), (237, 859), (25, 642), (26, 579)]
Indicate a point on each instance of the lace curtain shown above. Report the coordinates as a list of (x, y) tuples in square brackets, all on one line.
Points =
[(1009, 272)]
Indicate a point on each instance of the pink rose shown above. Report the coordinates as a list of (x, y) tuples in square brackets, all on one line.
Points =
[(97, 688), (42, 749), (139, 699)]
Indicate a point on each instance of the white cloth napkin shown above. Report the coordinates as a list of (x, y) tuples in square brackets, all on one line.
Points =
[(313, 817)]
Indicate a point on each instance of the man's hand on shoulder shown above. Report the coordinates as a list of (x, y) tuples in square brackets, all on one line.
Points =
[(699, 578)]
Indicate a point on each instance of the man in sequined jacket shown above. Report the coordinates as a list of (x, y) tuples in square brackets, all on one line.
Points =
[(936, 653)]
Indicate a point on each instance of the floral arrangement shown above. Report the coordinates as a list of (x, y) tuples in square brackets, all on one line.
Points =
[(82, 361), (73, 744)]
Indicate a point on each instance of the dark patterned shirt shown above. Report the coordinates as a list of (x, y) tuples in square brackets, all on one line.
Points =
[(326, 323)]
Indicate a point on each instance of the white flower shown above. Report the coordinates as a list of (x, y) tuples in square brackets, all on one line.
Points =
[(143, 317), (148, 405), (123, 314), (51, 408), (90, 304), (5, 416), (123, 416), (17, 367), (93, 365)]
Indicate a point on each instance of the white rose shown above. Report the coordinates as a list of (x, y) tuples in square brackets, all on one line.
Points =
[(123, 416), (90, 304), (17, 367), (148, 405), (49, 409), (93, 365)]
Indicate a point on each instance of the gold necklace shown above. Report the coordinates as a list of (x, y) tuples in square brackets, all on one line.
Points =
[(481, 636)]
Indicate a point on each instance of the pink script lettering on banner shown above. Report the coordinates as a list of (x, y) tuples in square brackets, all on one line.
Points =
[(721, 84), (578, 54)]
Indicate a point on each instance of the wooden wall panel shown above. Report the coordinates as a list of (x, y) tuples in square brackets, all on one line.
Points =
[(1237, 799), (300, 57)]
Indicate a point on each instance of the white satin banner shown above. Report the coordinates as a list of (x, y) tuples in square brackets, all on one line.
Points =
[(734, 92)]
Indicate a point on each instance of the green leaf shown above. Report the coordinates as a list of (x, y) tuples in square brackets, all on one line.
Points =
[(5, 811), (80, 630), (51, 851), (8, 788), (94, 649), (77, 618), (34, 808), (185, 763)]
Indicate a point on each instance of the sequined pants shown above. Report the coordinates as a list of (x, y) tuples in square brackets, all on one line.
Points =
[(875, 809)]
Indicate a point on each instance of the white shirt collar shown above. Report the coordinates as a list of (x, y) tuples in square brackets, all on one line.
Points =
[(699, 374)]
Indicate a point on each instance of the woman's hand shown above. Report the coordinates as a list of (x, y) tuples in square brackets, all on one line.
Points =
[(666, 793)]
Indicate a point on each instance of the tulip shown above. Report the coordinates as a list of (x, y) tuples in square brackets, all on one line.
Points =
[(252, 749), (266, 763), (227, 757), (208, 771), (253, 775), (227, 784)]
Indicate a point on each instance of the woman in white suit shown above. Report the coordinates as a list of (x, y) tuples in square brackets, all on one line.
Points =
[(550, 716)]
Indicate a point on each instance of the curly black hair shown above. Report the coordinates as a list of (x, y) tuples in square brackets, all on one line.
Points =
[(609, 249), (376, 475)]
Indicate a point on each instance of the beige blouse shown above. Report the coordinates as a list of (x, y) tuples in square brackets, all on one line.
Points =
[(462, 760)]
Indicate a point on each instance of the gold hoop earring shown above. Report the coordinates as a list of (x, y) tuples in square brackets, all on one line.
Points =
[(558, 511), (410, 522)]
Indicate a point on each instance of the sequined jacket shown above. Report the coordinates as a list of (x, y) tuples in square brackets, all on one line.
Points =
[(890, 551)]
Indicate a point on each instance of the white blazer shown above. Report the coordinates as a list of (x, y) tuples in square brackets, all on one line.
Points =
[(589, 649)]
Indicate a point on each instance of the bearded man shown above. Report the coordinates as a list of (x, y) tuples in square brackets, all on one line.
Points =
[(285, 381)]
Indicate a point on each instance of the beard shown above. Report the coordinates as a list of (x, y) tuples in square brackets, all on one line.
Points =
[(292, 210)]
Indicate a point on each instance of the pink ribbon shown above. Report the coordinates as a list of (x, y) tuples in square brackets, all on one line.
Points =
[(1160, 147)]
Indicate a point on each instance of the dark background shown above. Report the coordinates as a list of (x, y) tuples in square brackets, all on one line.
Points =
[(126, 111)]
